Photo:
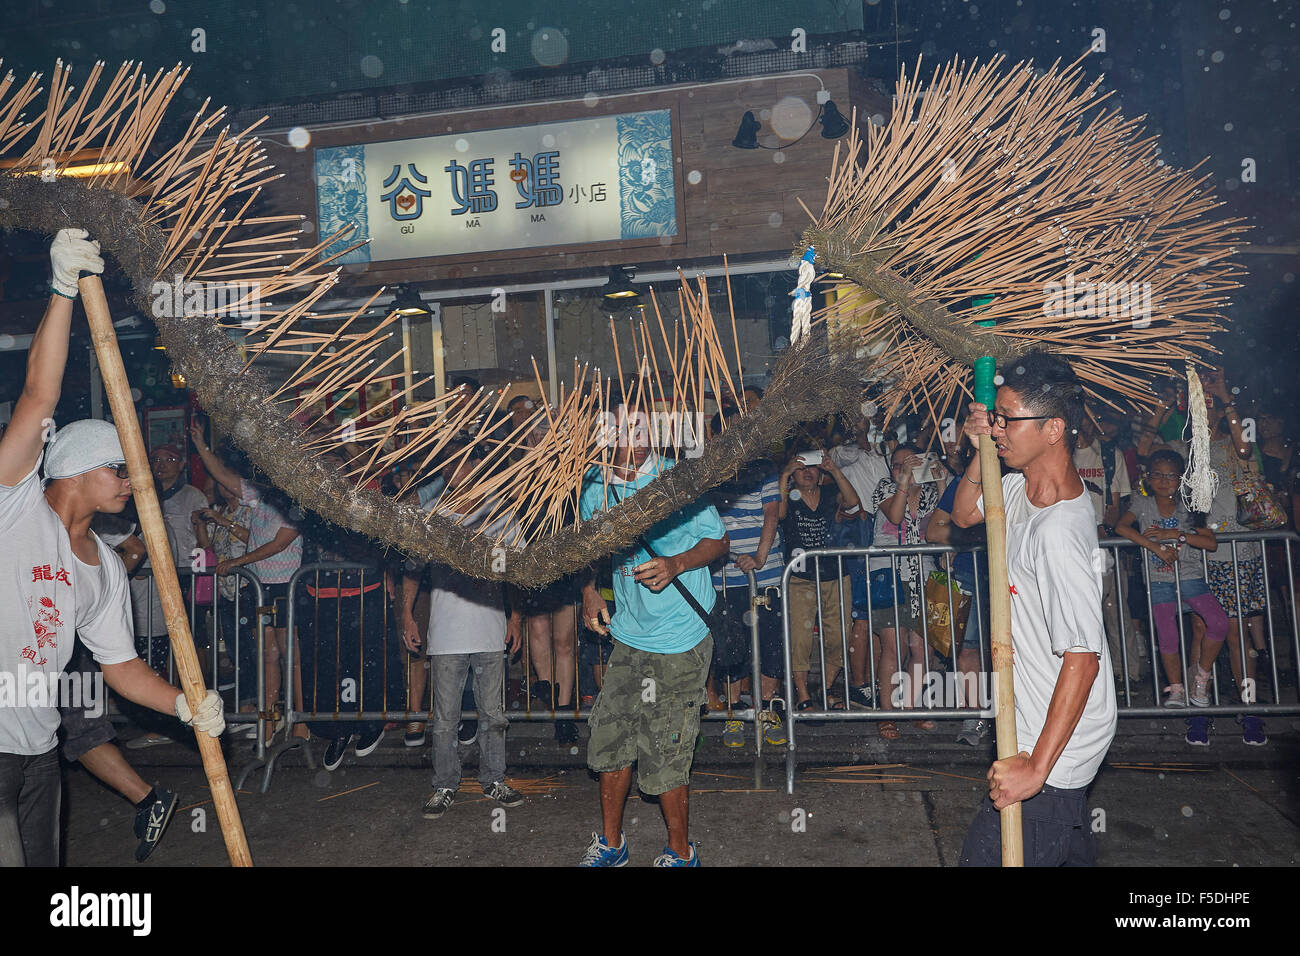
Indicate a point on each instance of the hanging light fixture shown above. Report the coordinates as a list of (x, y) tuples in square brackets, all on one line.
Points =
[(832, 121), (834, 125), (620, 284), (407, 301), (747, 135)]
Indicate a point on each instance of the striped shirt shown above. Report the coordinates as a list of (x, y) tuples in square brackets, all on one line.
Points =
[(264, 522), (740, 504)]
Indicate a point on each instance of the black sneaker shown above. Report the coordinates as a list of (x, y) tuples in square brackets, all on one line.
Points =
[(542, 692), (503, 794), (973, 732), (334, 752), (467, 732), (367, 742), (151, 822), (414, 734), (864, 697), (566, 732), (439, 803)]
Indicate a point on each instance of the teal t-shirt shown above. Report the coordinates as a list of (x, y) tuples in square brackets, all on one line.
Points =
[(660, 623)]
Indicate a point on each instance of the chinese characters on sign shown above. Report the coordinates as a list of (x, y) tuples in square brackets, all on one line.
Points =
[(537, 180), (405, 200), (580, 193), (471, 187), (601, 179)]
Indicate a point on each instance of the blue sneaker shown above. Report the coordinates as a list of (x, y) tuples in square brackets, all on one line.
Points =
[(1252, 731), (600, 853), (670, 858), (1198, 731)]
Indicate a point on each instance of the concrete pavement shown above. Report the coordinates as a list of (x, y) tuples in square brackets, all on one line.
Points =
[(858, 801)]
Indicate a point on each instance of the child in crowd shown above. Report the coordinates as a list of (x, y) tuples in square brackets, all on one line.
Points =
[(1175, 571)]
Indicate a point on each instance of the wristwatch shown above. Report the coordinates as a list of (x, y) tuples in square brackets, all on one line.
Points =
[(1182, 539)]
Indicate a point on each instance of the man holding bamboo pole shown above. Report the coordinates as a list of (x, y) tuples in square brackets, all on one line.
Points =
[(58, 578), (1065, 717)]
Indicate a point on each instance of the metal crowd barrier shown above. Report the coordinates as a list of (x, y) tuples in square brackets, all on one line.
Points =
[(1286, 541), (752, 713), (251, 605), (407, 712)]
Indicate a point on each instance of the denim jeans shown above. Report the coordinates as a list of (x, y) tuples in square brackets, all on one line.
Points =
[(447, 674), (30, 793)]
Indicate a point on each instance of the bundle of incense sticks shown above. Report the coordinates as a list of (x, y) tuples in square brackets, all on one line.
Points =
[(532, 476), (1002, 209), (193, 221)]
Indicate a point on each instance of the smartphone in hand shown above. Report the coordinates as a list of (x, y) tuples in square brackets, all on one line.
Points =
[(925, 471)]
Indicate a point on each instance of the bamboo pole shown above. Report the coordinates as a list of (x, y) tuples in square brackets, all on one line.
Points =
[(155, 536), (995, 524)]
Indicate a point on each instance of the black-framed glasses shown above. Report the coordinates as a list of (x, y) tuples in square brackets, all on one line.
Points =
[(121, 470), (998, 420), (161, 458)]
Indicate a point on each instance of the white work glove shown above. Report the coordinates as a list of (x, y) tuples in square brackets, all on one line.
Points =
[(71, 254), (210, 720)]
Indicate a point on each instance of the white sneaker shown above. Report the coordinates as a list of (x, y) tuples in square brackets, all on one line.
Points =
[(1174, 696), (1200, 695)]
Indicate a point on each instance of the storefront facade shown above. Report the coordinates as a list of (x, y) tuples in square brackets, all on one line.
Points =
[(507, 221)]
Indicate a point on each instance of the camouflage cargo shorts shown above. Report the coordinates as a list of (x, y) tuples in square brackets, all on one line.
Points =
[(648, 712)]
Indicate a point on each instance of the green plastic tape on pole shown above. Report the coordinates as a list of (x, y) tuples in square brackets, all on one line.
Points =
[(985, 367), (985, 391)]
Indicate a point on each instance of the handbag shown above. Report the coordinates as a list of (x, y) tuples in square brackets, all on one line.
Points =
[(203, 582), (940, 628), (716, 620), (1257, 507)]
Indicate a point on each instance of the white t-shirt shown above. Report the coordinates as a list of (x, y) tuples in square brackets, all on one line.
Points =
[(468, 615), (176, 511), (1089, 465), (863, 468), (1055, 606), (146, 603), (46, 596)]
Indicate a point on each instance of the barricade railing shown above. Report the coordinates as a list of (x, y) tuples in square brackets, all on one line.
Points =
[(958, 688), (236, 626), (754, 713), (408, 710), (328, 698)]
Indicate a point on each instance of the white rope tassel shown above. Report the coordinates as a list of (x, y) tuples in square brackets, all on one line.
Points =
[(1200, 481), (802, 298)]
